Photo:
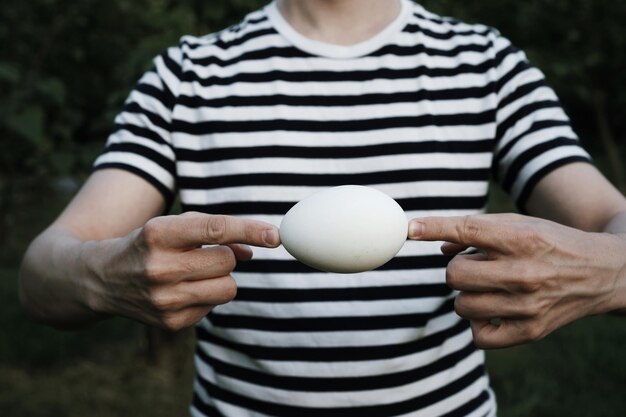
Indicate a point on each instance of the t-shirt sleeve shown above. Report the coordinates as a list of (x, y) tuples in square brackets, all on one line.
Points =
[(533, 135), (141, 138)]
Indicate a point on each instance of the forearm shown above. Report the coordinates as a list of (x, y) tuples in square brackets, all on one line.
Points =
[(56, 283), (617, 226)]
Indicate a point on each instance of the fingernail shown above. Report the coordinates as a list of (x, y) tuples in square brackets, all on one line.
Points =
[(415, 229), (270, 236)]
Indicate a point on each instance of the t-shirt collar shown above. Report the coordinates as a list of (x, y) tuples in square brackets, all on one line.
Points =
[(338, 51)]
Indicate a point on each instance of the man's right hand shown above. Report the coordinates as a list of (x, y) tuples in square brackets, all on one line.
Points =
[(165, 275), (110, 253)]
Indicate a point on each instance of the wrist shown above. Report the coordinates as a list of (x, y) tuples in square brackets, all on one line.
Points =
[(54, 281), (620, 290), (96, 261), (617, 299)]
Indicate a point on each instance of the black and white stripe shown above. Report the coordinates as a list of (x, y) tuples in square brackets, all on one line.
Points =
[(252, 119)]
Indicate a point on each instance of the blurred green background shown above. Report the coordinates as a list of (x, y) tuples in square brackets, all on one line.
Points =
[(65, 68)]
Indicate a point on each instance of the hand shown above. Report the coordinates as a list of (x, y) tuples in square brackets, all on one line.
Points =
[(161, 275), (530, 276)]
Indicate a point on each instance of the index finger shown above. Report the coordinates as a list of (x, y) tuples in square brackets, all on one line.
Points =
[(506, 333), (483, 231), (196, 229)]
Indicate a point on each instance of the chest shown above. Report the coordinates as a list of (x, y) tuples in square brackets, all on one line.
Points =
[(277, 135)]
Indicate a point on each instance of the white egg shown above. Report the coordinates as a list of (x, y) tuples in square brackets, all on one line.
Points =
[(345, 229)]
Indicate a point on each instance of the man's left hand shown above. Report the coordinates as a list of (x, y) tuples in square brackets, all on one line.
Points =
[(529, 277)]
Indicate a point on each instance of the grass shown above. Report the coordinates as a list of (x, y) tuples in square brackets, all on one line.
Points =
[(579, 370), (111, 369), (105, 370)]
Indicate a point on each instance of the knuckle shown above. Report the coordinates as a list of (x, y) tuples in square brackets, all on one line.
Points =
[(512, 217), (154, 271), (187, 267), (533, 307), (525, 279), (162, 302), (192, 214), (534, 240), (227, 291), (216, 228), (173, 322), (522, 307), (453, 272), (152, 232), (231, 290), (530, 284), (533, 332), (461, 306), (480, 342), (226, 259), (469, 229)]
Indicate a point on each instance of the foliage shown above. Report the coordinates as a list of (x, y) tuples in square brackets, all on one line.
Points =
[(68, 69), (581, 46), (579, 371), (71, 63), (65, 69)]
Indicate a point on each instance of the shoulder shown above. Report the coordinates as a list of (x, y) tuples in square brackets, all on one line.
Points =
[(195, 55), (447, 27), (253, 28), (453, 34)]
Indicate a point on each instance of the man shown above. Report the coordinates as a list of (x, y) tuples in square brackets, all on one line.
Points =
[(308, 94)]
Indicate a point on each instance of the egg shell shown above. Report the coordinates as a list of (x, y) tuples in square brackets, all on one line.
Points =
[(345, 229)]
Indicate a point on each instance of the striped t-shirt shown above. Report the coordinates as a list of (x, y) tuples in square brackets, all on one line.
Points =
[(252, 119)]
